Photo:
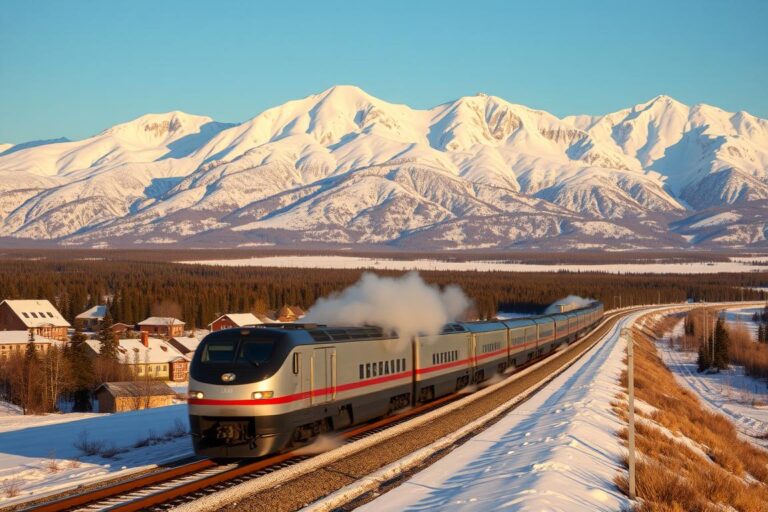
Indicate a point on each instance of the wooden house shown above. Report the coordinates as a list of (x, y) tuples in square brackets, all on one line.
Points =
[(132, 396), (38, 316)]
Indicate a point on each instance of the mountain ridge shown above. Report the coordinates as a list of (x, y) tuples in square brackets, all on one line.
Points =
[(345, 167)]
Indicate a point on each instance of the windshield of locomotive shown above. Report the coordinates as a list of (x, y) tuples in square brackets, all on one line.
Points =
[(237, 349)]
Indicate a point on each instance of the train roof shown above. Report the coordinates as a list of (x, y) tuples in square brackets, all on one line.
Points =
[(484, 326), (519, 322)]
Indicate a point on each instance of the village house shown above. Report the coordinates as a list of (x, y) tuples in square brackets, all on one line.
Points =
[(132, 396), (16, 342), (122, 329), (92, 318), (150, 358), (289, 314), (185, 344), (162, 326), (230, 320), (39, 316)]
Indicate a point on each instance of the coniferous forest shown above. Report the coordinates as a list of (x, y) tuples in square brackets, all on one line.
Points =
[(132, 287)]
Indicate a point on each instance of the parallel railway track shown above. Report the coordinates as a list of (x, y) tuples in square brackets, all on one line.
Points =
[(165, 489)]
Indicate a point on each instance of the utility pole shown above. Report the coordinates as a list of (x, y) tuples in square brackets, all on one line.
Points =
[(704, 321), (627, 334), (712, 364)]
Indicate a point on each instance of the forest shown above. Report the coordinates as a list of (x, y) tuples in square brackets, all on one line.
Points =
[(134, 286)]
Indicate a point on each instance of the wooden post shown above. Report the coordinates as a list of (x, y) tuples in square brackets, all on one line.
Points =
[(627, 334)]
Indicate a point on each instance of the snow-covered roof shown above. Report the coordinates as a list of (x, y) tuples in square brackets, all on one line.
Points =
[(241, 319), (188, 342), (161, 320), (130, 389), (36, 313), (21, 337), (133, 351), (97, 312)]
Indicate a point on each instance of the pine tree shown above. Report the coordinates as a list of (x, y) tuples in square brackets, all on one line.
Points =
[(78, 336), (760, 333), (108, 340), (704, 360), (82, 376), (722, 342)]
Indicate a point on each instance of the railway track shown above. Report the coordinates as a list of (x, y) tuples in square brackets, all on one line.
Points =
[(187, 483)]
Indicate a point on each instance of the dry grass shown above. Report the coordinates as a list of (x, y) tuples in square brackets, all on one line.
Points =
[(672, 476), (745, 352), (12, 487)]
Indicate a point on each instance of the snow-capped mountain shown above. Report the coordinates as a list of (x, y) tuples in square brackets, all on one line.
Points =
[(345, 167)]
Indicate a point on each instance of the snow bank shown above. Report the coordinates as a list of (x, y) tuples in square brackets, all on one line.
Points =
[(558, 451), (39, 453)]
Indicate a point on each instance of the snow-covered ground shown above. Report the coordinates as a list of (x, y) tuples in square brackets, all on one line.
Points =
[(353, 262), (743, 399), (40, 455), (558, 451)]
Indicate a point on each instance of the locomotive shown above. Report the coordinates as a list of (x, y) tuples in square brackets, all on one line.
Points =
[(259, 390)]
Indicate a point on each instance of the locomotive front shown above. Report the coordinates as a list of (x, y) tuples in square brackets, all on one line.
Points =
[(240, 393)]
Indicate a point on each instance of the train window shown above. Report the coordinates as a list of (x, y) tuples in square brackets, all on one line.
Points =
[(386, 367), (362, 372), (381, 368), (367, 370), (434, 358), (219, 351), (255, 352), (374, 373), (392, 365), (398, 366), (297, 362)]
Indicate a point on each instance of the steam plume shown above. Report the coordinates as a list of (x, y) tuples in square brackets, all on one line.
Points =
[(405, 304), (574, 300)]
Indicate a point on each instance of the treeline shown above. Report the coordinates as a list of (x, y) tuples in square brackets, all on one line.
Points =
[(204, 292)]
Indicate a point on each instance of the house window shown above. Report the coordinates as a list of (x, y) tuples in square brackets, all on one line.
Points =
[(141, 370), (158, 368)]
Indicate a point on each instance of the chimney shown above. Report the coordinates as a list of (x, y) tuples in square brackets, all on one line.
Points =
[(145, 338)]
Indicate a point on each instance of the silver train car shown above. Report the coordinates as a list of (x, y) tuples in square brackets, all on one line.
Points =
[(260, 390)]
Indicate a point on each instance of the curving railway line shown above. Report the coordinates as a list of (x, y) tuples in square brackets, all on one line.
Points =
[(391, 438)]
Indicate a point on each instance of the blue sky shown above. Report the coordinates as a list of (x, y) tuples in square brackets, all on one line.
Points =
[(74, 68)]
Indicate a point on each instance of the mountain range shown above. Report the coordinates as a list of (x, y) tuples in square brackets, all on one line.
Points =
[(345, 169)]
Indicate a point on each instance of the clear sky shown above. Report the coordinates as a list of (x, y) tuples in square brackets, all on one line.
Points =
[(74, 68)]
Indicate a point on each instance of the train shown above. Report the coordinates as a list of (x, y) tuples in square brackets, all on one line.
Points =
[(260, 390)]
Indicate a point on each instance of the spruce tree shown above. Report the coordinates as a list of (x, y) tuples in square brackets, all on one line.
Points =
[(704, 360), (108, 340), (78, 336), (722, 359)]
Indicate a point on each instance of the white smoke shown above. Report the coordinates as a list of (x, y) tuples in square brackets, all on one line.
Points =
[(571, 300), (404, 304)]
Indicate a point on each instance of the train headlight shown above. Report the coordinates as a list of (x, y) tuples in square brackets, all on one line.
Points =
[(196, 394), (258, 395)]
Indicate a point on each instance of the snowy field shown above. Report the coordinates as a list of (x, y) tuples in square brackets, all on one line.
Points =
[(40, 455), (742, 399), (558, 451), (353, 262)]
